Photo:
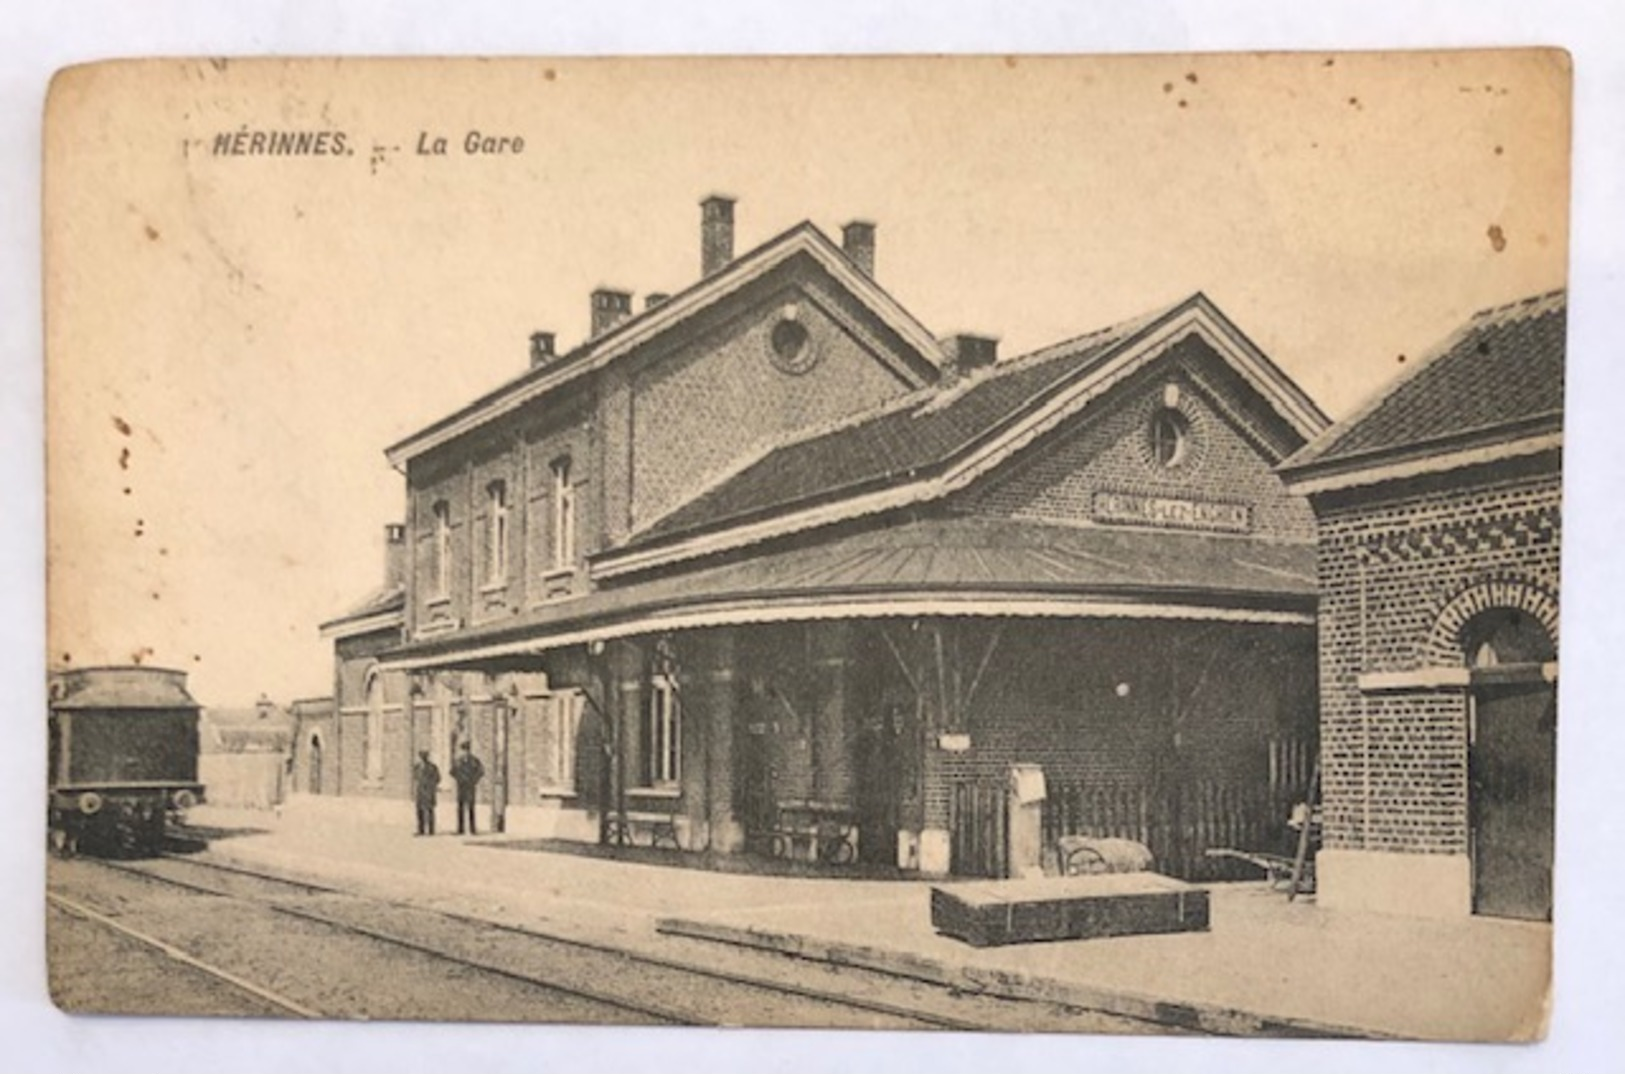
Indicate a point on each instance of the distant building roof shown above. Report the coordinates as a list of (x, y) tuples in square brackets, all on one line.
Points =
[(263, 728), (1498, 377)]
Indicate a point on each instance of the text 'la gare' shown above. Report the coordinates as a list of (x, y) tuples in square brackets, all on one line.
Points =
[(474, 144)]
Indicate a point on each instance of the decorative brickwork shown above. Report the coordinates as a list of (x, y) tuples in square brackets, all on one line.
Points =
[(1402, 568)]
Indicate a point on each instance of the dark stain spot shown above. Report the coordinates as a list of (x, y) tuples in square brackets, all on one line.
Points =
[(1183, 103), (1190, 76), (154, 595), (163, 551), (67, 658), (1498, 238), (140, 654), (1541, 239), (126, 490), (1499, 150), (152, 232), (121, 425), (196, 659), (1354, 102), (124, 459), (1167, 87), (550, 74), (1011, 62), (1402, 359), (1328, 62), (219, 64)]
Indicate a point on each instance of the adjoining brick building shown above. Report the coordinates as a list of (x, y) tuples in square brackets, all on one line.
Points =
[(769, 553), (1439, 513)]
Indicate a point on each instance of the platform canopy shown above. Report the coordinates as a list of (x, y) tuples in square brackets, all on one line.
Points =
[(953, 566)]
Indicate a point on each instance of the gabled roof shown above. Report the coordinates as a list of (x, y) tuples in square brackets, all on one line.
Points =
[(805, 239), (927, 443), (1498, 378), (940, 566), (380, 608)]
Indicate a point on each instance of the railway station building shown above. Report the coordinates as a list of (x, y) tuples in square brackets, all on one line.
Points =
[(767, 555), (1439, 519)]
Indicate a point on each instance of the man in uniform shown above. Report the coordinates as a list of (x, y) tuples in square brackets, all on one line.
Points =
[(468, 772), (425, 786)]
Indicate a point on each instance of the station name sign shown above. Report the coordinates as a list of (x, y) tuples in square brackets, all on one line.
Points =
[(1173, 513)]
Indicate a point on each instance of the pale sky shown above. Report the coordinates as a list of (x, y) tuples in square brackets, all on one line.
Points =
[(266, 326)]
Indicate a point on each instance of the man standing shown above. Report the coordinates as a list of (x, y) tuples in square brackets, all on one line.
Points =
[(425, 787), (468, 772)]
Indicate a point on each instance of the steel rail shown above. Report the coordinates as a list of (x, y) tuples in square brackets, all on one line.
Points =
[(929, 1018), (174, 953)]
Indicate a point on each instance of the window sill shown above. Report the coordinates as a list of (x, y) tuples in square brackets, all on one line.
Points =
[(439, 600), (662, 791), (493, 587), (554, 574)]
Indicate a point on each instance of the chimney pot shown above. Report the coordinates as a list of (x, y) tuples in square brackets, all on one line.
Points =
[(858, 240), (541, 348), (966, 353), (609, 308), (394, 554), (716, 234)]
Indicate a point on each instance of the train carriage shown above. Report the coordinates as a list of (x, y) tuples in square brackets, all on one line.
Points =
[(123, 756)]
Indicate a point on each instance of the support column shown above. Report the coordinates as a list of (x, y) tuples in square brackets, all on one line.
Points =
[(725, 833)]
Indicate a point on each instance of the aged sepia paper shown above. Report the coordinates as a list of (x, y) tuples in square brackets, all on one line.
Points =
[(1050, 543)]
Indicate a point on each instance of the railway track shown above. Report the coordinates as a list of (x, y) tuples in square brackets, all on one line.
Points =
[(278, 1002), (466, 942)]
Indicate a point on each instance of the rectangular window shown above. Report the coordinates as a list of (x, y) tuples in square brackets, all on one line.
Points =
[(662, 753), (564, 515), (496, 550), (558, 725), (442, 548)]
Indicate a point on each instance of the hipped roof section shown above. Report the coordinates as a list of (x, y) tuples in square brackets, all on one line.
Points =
[(1498, 377)]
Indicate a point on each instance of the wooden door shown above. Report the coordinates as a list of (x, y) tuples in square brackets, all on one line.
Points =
[(1513, 770)]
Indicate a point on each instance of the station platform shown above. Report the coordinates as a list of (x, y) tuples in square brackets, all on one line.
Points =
[(1264, 967)]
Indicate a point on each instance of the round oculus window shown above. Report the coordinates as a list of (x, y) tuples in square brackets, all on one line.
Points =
[(791, 347), (1170, 437)]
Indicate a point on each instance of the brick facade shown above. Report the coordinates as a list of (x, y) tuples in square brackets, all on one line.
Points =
[(1401, 569)]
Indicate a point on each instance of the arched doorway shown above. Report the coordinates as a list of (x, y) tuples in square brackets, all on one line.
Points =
[(1512, 762), (315, 764)]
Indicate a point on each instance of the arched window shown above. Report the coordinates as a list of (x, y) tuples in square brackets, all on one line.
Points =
[(1497, 637), (1170, 437), (375, 727), (442, 548), (496, 544)]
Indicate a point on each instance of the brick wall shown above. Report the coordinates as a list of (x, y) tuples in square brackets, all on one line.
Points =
[(1110, 451), (1398, 571), (721, 399)]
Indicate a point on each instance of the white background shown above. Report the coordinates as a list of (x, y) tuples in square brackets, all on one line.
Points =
[(1587, 1029)]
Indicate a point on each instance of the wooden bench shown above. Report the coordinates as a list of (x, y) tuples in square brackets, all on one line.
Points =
[(809, 830), (658, 828)]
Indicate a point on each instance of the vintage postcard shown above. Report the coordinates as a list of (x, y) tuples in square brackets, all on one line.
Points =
[(976, 544)]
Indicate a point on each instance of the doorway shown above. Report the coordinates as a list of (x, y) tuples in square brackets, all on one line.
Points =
[(315, 764), (1512, 765)]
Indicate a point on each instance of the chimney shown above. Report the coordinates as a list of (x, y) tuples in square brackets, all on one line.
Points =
[(965, 353), (541, 349), (394, 554), (716, 234), (264, 707), (653, 299), (609, 308), (858, 240)]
